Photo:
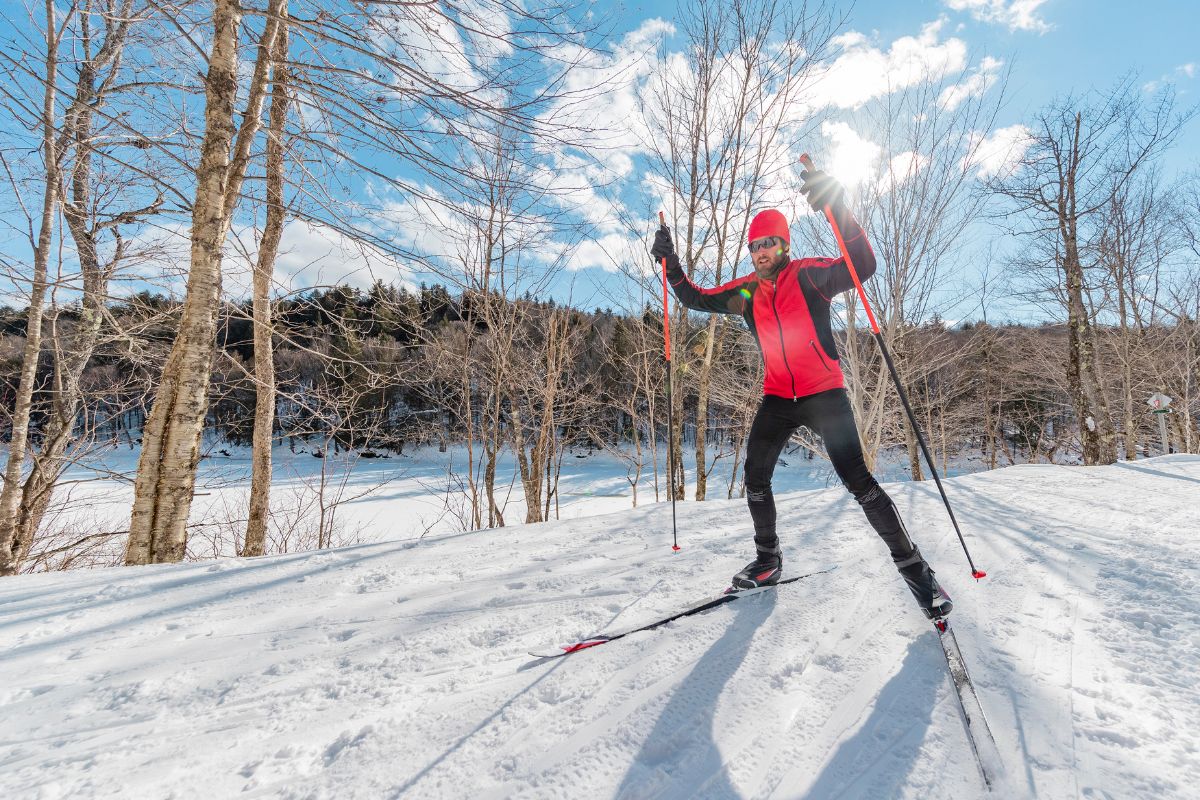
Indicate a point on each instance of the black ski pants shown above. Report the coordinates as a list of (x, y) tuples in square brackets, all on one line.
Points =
[(828, 414)]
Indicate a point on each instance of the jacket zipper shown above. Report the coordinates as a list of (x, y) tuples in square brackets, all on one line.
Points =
[(782, 347), (817, 350)]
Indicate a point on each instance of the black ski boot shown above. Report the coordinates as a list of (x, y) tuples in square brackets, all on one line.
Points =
[(762, 571), (931, 597)]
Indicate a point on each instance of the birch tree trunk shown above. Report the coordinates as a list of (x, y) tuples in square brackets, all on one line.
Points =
[(10, 496), (530, 468), (914, 453), (170, 454), (97, 69), (264, 268)]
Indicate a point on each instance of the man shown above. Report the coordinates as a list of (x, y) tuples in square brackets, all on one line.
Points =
[(785, 303)]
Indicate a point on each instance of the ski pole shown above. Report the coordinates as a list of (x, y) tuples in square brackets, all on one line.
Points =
[(662, 220), (976, 573)]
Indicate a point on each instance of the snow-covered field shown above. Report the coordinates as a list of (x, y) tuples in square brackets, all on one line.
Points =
[(400, 669), (403, 496)]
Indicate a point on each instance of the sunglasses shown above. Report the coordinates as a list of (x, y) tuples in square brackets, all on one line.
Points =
[(769, 241)]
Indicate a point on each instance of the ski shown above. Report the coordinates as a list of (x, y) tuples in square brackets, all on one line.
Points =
[(987, 755), (729, 595)]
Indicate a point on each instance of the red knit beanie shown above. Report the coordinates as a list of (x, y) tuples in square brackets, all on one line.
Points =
[(769, 223)]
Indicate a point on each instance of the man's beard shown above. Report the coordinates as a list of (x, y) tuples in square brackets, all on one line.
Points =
[(773, 268)]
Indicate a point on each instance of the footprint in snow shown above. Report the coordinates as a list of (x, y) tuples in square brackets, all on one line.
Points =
[(830, 661)]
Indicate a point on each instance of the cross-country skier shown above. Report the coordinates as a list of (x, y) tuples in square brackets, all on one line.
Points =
[(785, 302)]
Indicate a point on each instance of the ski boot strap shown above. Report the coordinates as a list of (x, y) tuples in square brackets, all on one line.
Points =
[(915, 558)]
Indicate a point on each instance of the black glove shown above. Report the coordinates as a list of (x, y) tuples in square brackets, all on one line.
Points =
[(821, 190), (663, 246)]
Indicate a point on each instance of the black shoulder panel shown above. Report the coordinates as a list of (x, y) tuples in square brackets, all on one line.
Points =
[(818, 307)]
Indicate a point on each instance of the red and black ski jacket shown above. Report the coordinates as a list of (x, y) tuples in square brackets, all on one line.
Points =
[(789, 316)]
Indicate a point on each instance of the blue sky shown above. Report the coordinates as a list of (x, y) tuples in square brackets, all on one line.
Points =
[(1052, 47), (1085, 43)]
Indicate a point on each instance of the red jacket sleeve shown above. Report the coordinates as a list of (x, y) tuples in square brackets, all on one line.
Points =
[(832, 276)]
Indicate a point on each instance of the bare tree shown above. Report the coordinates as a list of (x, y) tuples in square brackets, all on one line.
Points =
[(171, 439), (635, 350), (11, 547), (915, 208), (381, 87), (718, 121), (1135, 244), (95, 207), (1082, 152), (737, 389), (540, 403), (264, 268), (1183, 367)]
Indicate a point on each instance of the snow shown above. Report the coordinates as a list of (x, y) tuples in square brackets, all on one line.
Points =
[(401, 668), (401, 496)]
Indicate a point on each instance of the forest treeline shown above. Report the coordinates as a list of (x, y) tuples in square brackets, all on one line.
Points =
[(389, 368)]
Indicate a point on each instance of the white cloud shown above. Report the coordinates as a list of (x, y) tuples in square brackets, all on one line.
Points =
[(426, 227), (903, 167), (601, 102), (609, 252), (425, 39), (310, 255), (851, 158), (1182, 72), (447, 236), (863, 72), (859, 162), (1016, 15), (998, 154), (573, 182), (601, 91), (977, 83), (488, 27)]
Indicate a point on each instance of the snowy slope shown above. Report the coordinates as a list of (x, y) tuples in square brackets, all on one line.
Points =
[(401, 669)]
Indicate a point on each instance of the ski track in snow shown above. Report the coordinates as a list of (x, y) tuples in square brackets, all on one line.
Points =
[(400, 669)]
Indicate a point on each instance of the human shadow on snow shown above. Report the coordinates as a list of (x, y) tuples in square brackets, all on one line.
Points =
[(203, 586), (878, 758), (1158, 473), (680, 757)]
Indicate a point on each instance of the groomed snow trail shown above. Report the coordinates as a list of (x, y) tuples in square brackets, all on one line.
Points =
[(401, 669)]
